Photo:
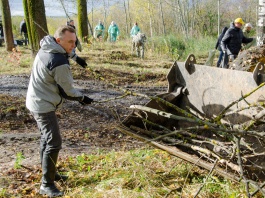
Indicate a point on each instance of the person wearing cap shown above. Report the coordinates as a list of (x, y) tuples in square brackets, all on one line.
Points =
[(232, 41)]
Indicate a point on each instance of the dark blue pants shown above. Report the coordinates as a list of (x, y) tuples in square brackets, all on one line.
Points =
[(220, 58)]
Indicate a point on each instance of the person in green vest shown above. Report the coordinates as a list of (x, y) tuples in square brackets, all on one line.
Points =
[(247, 33), (135, 29), (113, 31), (99, 31)]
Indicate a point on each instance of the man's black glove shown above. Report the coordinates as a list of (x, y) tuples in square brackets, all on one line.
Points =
[(86, 100), (81, 62)]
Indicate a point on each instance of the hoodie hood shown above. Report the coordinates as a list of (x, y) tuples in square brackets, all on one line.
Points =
[(49, 45), (232, 25)]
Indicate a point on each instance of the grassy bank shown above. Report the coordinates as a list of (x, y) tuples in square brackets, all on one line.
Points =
[(140, 173)]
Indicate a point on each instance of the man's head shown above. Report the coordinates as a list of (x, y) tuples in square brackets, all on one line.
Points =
[(71, 22), (248, 26), (66, 37), (239, 22)]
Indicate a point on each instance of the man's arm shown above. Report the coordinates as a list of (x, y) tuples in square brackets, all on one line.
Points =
[(246, 40), (78, 60), (64, 80)]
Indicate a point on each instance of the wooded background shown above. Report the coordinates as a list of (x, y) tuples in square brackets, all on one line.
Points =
[(186, 18)]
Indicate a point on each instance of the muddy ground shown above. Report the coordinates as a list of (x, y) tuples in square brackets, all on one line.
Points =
[(85, 129)]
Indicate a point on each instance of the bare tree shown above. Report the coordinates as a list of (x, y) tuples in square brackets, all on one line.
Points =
[(129, 15), (105, 12), (126, 18), (162, 17), (7, 23), (150, 19), (82, 19), (36, 22), (92, 13), (182, 18)]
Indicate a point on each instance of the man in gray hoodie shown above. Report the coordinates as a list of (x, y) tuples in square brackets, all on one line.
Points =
[(51, 82)]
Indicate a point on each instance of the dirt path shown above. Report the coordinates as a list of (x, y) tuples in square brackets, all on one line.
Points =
[(85, 129)]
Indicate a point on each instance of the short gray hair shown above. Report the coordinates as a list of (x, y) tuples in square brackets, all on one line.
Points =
[(62, 29)]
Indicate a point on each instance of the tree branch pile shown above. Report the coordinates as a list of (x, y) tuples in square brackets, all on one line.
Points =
[(235, 151), (248, 59)]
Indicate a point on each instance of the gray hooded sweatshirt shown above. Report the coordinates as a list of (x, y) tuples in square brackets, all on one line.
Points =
[(51, 80)]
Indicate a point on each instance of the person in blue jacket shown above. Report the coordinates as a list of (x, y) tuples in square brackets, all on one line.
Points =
[(135, 30), (113, 31)]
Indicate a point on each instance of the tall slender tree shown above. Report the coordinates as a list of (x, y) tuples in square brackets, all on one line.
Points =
[(82, 19), (7, 23), (35, 16), (162, 17), (129, 15), (126, 18), (150, 19)]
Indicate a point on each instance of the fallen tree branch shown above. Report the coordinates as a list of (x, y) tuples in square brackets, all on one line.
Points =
[(178, 153), (239, 160), (206, 127)]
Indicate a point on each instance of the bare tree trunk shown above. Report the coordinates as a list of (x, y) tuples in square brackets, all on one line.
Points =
[(176, 15), (82, 19), (182, 19), (105, 12), (261, 24), (150, 19), (7, 23), (36, 23), (92, 17), (129, 15), (90, 27), (126, 19), (193, 11), (162, 17)]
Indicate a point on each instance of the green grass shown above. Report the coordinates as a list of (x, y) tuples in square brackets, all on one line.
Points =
[(141, 173), (18, 61)]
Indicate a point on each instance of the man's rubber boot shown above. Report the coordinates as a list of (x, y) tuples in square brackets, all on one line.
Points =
[(51, 191), (48, 175), (59, 177)]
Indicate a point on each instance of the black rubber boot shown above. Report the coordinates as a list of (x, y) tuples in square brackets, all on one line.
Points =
[(48, 175), (59, 177), (51, 191)]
